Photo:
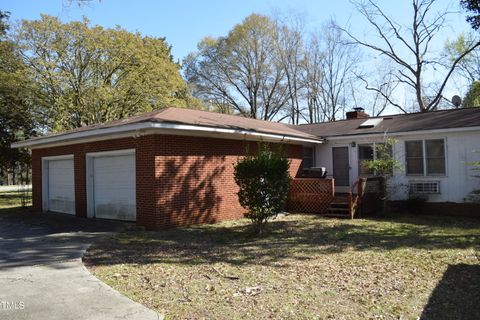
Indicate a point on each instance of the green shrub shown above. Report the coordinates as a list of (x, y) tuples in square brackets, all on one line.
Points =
[(473, 196), (384, 165), (264, 181)]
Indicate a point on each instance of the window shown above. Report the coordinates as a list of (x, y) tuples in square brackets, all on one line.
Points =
[(365, 152), (435, 157), (371, 152), (308, 157), (425, 157), (414, 157)]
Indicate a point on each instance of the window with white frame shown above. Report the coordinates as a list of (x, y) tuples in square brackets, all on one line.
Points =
[(425, 157)]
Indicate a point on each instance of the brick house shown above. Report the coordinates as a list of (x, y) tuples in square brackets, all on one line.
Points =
[(166, 168)]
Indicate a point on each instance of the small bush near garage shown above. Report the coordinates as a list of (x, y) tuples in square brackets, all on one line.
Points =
[(264, 181)]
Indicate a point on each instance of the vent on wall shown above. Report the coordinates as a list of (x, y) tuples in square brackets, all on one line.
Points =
[(424, 187)]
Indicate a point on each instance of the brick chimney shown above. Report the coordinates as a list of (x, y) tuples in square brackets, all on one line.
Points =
[(357, 113)]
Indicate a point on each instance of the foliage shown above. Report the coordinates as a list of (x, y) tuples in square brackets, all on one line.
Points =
[(384, 165), (473, 6), (264, 182), (17, 118), (472, 98), (385, 162), (89, 74), (469, 66), (473, 196)]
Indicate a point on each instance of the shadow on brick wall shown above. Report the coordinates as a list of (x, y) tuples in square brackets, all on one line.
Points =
[(193, 190)]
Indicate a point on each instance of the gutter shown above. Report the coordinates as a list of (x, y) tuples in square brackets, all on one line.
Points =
[(402, 133), (143, 128)]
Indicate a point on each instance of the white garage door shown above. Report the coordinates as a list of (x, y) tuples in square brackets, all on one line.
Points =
[(60, 188), (114, 187)]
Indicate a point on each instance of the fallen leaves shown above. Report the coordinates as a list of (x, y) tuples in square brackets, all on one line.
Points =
[(306, 268)]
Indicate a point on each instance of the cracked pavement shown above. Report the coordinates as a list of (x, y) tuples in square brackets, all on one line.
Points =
[(42, 276)]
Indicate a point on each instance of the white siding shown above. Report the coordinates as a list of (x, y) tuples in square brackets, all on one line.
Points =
[(454, 186)]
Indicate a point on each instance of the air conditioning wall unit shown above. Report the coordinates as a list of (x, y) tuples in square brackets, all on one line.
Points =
[(424, 187)]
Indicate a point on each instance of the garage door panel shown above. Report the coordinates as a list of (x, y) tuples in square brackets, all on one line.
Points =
[(61, 189), (114, 187)]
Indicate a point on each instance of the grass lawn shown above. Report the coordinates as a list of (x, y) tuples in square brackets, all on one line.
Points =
[(11, 201), (304, 267)]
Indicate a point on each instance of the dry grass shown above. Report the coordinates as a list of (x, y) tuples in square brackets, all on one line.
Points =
[(11, 202), (304, 267)]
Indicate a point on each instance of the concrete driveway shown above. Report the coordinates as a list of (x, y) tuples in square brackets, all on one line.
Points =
[(42, 276)]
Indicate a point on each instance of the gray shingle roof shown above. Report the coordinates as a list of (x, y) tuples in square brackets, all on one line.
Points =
[(196, 118), (442, 119)]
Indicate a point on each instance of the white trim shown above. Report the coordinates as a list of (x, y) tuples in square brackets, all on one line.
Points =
[(62, 157), (138, 129), (401, 134), (424, 155), (89, 176), (45, 178), (110, 153)]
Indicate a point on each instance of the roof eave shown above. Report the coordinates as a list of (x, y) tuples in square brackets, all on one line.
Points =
[(402, 133), (143, 128)]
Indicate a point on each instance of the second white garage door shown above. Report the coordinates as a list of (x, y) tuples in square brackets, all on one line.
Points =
[(114, 187)]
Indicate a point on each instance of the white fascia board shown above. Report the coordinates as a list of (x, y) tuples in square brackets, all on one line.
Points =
[(266, 136), (120, 152), (62, 157), (404, 133), (139, 129)]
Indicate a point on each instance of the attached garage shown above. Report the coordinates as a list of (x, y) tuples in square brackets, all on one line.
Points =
[(58, 187), (111, 185), (162, 169)]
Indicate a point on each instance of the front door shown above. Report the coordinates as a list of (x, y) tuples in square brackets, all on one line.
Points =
[(341, 166)]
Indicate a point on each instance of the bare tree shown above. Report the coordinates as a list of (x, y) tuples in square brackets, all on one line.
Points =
[(241, 70), (331, 65), (290, 52), (378, 88), (407, 46), (312, 80)]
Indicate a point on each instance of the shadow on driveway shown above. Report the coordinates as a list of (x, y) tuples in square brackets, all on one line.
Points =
[(28, 239)]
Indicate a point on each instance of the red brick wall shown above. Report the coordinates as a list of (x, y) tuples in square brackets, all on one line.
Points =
[(179, 180)]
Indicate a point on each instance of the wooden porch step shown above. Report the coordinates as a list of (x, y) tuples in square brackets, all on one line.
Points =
[(337, 203), (339, 209), (336, 215)]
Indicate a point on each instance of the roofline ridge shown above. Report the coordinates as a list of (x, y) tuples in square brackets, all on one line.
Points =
[(394, 115)]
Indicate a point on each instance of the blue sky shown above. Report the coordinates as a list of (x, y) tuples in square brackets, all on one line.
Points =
[(184, 23)]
